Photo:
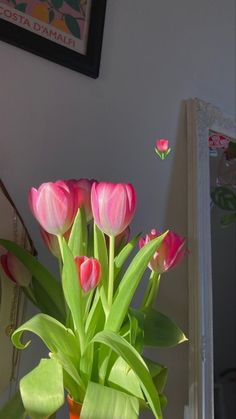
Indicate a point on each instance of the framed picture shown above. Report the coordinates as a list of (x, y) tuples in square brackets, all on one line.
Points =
[(68, 32)]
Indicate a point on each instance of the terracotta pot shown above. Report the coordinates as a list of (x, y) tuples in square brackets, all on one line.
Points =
[(74, 408)]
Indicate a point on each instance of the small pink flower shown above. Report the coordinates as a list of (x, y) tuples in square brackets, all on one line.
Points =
[(89, 272), (15, 270), (162, 148), (169, 253), (51, 241), (53, 206), (82, 192), (162, 145), (113, 206)]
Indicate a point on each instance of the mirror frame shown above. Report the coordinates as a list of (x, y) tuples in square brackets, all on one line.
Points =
[(201, 117)]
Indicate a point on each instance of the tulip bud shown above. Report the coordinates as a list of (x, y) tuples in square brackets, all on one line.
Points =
[(53, 206), (82, 194), (168, 254), (89, 272), (113, 206), (15, 270), (51, 241), (162, 148)]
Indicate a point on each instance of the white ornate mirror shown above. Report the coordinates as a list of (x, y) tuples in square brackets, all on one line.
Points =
[(203, 119)]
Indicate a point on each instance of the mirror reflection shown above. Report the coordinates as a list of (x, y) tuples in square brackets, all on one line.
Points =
[(222, 152)]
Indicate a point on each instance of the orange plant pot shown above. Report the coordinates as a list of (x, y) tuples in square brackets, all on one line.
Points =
[(74, 408)]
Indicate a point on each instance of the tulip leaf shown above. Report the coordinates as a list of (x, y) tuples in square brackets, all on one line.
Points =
[(124, 253), (13, 408), (56, 337), (224, 198), (129, 283), (100, 253), (158, 373), (79, 235), (72, 290), (105, 402), (123, 378), (96, 318), (160, 330), (72, 379), (120, 346), (44, 302), (42, 389), (47, 282)]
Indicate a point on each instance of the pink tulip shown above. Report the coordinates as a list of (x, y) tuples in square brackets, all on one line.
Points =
[(162, 145), (82, 192), (15, 270), (169, 253), (51, 241), (53, 206), (162, 148), (113, 206), (89, 272)]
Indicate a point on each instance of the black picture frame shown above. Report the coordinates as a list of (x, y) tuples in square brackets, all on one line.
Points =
[(87, 64)]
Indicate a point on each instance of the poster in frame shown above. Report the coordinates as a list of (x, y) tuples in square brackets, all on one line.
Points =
[(68, 32)]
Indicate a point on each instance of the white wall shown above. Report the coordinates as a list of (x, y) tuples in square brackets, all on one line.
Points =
[(56, 123)]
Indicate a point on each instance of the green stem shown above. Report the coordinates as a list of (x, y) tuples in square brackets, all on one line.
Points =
[(111, 270), (151, 291)]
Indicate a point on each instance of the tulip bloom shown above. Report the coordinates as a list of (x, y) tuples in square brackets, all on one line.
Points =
[(89, 272), (82, 193), (162, 148), (169, 253), (113, 206), (53, 206), (15, 270)]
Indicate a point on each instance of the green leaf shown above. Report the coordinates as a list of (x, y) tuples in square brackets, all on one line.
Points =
[(158, 373), (13, 408), (72, 25), (42, 389), (96, 318), (136, 319), (224, 198), (160, 330), (100, 253), (74, 4), (21, 7), (129, 283), (44, 301), (72, 291), (46, 280), (57, 3), (124, 253), (123, 378), (56, 337), (104, 402), (72, 379), (135, 361), (78, 236), (228, 219)]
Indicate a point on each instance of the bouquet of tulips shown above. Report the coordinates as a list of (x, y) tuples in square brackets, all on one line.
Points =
[(95, 339)]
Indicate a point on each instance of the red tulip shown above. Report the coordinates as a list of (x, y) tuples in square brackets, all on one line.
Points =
[(82, 192), (169, 253), (15, 270), (53, 206), (89, 272), (113, 206)]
